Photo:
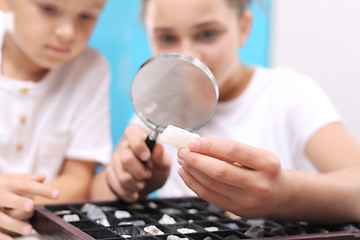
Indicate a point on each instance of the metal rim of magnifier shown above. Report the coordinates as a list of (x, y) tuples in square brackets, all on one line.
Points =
[(194, 61)]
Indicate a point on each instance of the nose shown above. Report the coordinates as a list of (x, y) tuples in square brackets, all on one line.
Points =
[(65, 31), (189, 48)]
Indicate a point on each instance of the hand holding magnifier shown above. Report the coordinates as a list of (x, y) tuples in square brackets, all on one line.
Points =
[(173, 89)]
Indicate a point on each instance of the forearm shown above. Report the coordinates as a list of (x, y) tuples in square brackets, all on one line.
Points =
[(99, 189), (73, 182), (71, 188), (329, 198)]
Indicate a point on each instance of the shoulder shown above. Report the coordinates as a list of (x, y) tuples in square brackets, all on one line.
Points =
[(281, 74), (285, 78)]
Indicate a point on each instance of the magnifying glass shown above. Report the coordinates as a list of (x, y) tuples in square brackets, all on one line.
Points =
[(173, 89)]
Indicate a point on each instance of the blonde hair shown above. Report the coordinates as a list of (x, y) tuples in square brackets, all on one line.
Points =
[(239, 5)]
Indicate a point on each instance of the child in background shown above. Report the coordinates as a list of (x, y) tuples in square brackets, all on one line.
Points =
[(277, 145), (54, 106)]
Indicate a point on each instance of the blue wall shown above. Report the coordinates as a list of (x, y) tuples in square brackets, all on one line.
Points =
[(120, 36)]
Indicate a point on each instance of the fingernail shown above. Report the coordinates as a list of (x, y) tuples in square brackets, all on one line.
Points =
[(180, 161), (181, 172), (55, 194), (194, 144), (26, 230), (28, 205), (144, 155), (181, 153)]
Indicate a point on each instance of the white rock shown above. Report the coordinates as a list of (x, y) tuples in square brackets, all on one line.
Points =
[(153, 230), (122, 214), (71, 218), (212, 229), (177, 137), (186, 230), (166, 219)]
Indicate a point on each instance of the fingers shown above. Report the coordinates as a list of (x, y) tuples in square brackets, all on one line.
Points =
[(216, 185), (117, 189), (25, 176), (10, 224), (25, 187), (158, 157), (234, 152), (128, 180), (203, 191), (128, 162), (135, 137), (16, 193), (4, 236), (18, 214), (214, 168), (126, 175), (243, 176), (13, 201)]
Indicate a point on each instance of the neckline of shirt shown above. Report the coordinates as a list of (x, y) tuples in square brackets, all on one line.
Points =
[(235, 102)]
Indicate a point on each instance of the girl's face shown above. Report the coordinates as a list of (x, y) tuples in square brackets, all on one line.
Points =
[(206, 29), (51, 32)]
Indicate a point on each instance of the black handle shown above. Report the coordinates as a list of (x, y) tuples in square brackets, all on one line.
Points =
[(150, 141)]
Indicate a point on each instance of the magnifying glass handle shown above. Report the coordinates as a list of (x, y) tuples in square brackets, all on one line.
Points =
[(151, 139)]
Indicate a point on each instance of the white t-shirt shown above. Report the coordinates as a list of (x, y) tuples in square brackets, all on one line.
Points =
[(65, 115), (279, 111)]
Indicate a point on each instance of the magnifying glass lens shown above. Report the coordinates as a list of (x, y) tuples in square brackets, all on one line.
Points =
[(174, 89)]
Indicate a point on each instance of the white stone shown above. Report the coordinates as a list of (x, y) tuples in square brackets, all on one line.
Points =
[(153, 230), (166, 219), (177, 137)]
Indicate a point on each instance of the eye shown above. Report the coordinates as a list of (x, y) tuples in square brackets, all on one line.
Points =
[(87, 17), (48, 9), (207, 34), (166, 39)]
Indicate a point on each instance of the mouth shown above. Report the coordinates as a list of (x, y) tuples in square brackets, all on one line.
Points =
[(58, 49)]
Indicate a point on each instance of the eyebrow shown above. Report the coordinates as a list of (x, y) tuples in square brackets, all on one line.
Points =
[(163, 29), (96, 5), (205, 24), (197, 26)]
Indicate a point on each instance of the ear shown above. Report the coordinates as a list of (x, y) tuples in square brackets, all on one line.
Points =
[(245, 24)]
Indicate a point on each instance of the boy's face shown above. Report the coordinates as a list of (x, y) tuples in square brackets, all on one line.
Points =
[(51, 32), (206, 29)]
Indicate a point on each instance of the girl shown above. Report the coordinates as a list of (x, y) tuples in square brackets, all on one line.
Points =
[(54, 122), (277, 146)]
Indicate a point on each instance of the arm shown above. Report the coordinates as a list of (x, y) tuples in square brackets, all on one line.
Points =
[(100, 189), (126, 176), (78, 175), (250, 181), (337, 157)]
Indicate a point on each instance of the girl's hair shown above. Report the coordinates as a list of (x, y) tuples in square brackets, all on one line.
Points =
[(238, 5)]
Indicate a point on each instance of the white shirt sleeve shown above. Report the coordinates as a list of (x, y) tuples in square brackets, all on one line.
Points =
[(310, 110)]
